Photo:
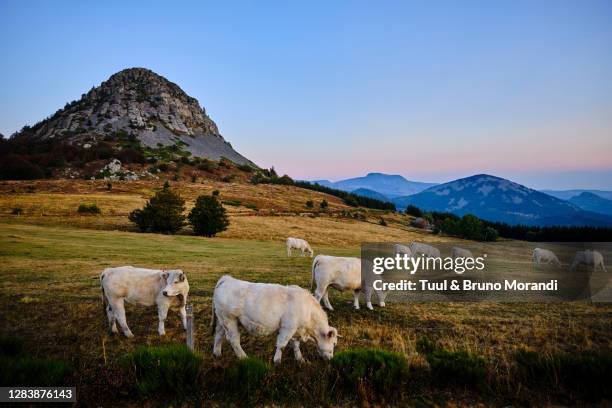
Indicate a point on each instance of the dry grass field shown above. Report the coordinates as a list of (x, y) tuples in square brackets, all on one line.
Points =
[(50, 258)]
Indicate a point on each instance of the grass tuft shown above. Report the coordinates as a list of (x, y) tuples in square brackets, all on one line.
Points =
[(172, 369)]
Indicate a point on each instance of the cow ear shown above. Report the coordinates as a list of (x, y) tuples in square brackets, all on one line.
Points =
[(182, 277), (165, 276), (331, 333)]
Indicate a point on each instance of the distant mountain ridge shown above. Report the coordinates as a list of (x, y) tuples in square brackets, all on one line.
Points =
[(569, 194), (497, 199), (388, 185), (592, 202)]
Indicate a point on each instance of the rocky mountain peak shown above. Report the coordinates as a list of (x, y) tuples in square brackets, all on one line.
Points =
[(140, 103)]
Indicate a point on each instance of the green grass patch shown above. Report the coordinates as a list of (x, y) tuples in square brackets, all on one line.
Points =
[(246, 376), (172, 369), (455, 367), (380, 371), (233, 203)]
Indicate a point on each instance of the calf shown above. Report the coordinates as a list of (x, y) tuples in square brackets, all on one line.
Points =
[(458, 252), (300, 244), (428, 251), (166, 289), (263, 309)]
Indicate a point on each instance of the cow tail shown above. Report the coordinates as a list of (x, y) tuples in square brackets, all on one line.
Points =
[(314, 268)]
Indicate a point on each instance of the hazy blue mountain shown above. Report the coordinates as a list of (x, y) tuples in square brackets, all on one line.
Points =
[(371, 194), (592, 202), (568, 194), (386, 184), (497, 199)]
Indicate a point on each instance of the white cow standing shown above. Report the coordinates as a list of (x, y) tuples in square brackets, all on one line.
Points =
[(589, 258), (297, 243), (263, 309), (546, 256), (428, 251), (457, 252), (168, 289), (341, 273)]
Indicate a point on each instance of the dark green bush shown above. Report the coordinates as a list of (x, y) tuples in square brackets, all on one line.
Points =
[(207, 165), (14, 167), (382, 371), (414, 211), (172, 369), (382, 222), (246, 168), (216, 193), (309, 204), (228, 179), (109, 186), (587, 374), (324, 204), (88, 209), (162, 213), (17, 211), (457, 367), (208, 216), (246, 376), (29, 371)]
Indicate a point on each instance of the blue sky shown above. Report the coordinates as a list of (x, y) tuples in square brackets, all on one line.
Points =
[(432, 90)]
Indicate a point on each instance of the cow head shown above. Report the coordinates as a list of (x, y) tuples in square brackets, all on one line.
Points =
[(174, 283), (309, 251), (326, 341)]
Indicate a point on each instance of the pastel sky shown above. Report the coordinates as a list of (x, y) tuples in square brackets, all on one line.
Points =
[(432, 90)]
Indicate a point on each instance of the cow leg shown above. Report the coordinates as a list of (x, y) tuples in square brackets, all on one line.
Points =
[(356, 298), (319, 292), (381, 298), (183, 314), (296, 350), (368, 294), (162, 313), (233, 337), (326, 300), (219, 333), (284, 335), (119, 308), (111, 318)]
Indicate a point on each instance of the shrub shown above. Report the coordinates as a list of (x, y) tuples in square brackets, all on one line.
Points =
[(587, 374), (194, 178), (109, 186), (207, 165), (228, 179), (414, 211), (172, 369), (382, 371), (324, 204), (216, 193), (382, 222), (251, 206), (246, 168), (309, 204), (14, 167), (247, 375), (17, 211), (233, 203), (162, 213), (131, 155), (27, 371), (208, 216), (18, 369), (457, 367), (88, 209)]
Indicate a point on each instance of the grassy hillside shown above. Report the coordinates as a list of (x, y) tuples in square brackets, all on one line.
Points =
[(50, 258)]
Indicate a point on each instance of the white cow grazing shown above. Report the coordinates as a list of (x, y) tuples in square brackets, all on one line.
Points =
[(166, 288), (428, 251), (461, 253), (588, 258), (546, 256), (341, 273), (402, 250), (297, 243), (263, 309)]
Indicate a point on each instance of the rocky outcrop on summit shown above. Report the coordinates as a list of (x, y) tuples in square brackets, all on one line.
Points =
[(138, 102)]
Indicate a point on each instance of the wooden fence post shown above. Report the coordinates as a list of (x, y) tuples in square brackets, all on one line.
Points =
[(189, 337)]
